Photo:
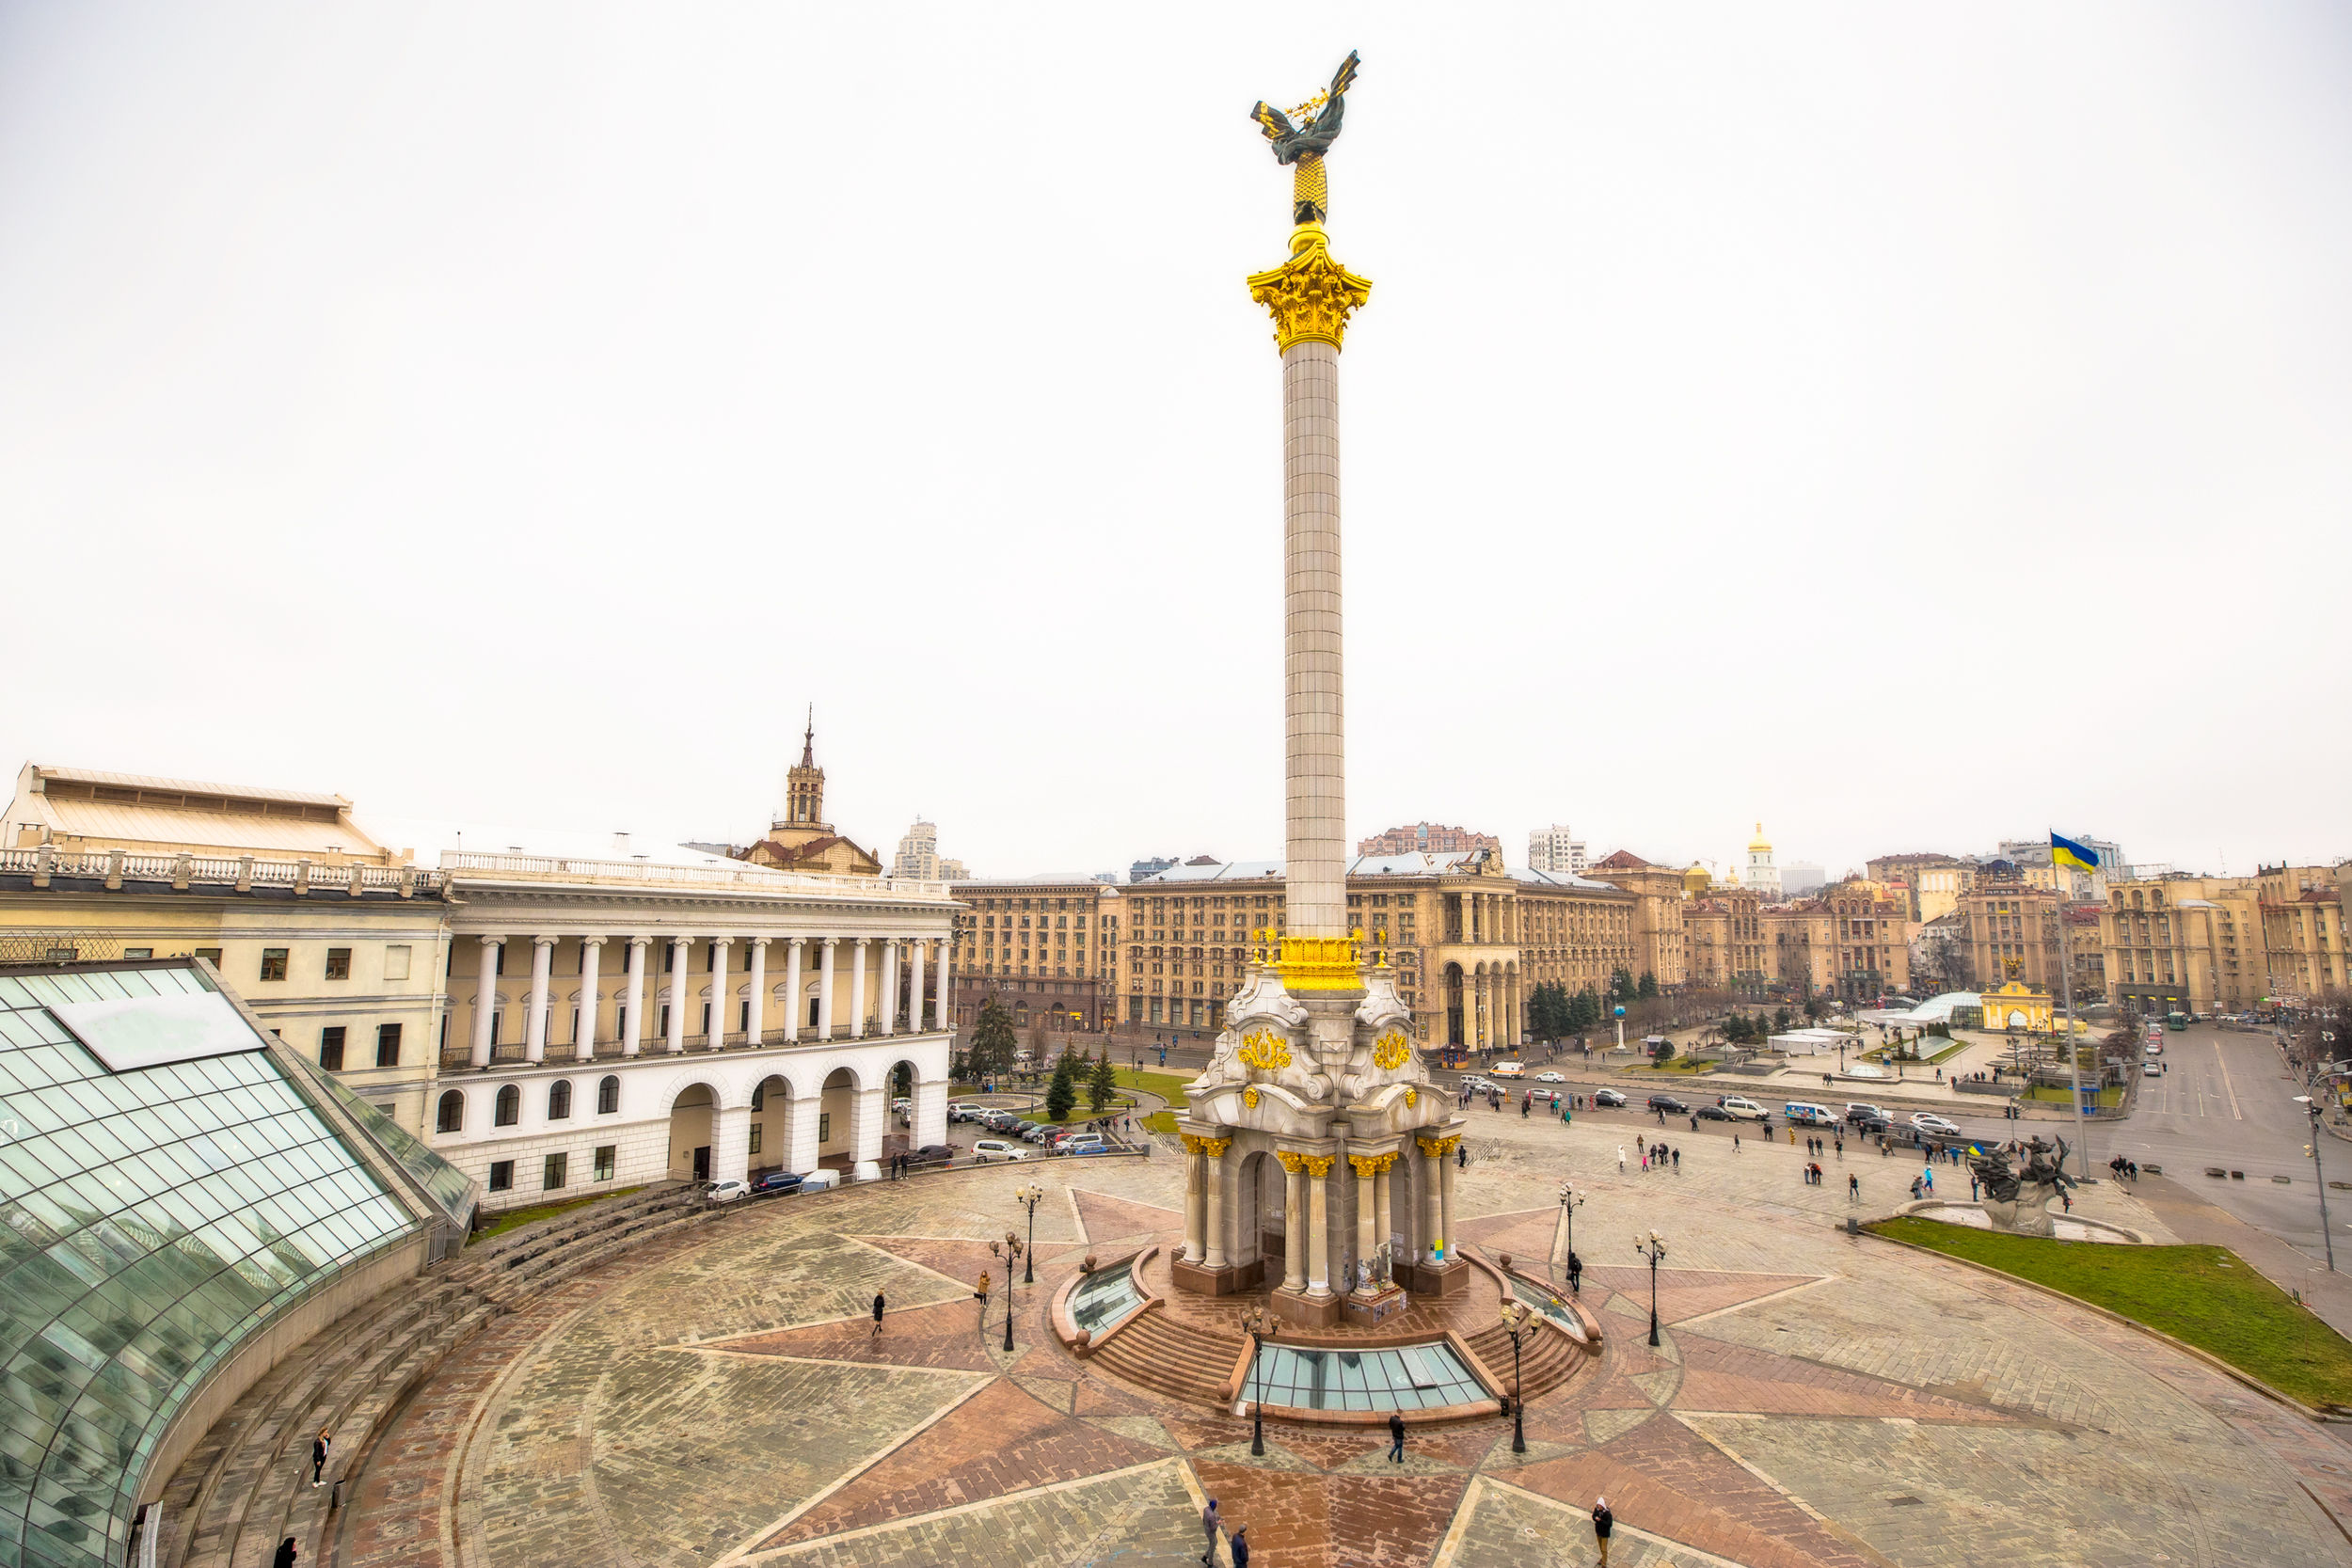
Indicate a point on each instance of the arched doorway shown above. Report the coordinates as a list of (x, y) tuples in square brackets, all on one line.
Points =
[(1453, 1022), (1259, 1238), (771, 1126), (693, 1116), (837, 1116), (899, 1115)]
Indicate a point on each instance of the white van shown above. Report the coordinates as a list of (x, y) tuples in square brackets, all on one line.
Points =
[(1804, 1113), (1745, 1108), (1508, 1069), (985, 1150)]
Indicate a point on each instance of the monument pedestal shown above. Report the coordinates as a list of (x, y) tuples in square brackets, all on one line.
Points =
[(1222, 1280), (1449, 1278), (1305, 1310), (1370, 1311)]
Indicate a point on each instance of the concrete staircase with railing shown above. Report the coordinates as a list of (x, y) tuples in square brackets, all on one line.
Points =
[(1172, 1358)]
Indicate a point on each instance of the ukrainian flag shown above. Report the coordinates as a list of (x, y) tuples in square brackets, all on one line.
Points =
[(2065, 851)]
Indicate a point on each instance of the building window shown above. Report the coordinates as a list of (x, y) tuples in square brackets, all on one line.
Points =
[(338, 963), (560, 1100), (501, 1175), (759, 1096), (551, 1178), (138, 952), (388, 1045), (608, 1096), (509, 1109), (273, 963), (452, 1117), (755, 1131), (331, 1047), (604, 1161), (824, 1127), (210, 955)]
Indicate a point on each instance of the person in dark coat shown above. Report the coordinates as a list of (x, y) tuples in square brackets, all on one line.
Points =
[(1238, 1543), (1576, 1275), (1396, 1437), (287, 1552), (319, 1447), (1603, 1522), (878, 1314)]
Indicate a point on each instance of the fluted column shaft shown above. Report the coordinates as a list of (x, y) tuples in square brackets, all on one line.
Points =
[(633, 1015), (718, 1031), (1312, 710), (914, 984), (535, 1019), (1319, 1227), (1294, 1225), (757, 1023), (681, 959), (792, 990), (591, 961), (485, 1002), (857, 989), (824, 987)]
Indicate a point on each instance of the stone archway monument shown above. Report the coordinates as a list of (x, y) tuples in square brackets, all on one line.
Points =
[(1316, 1065)]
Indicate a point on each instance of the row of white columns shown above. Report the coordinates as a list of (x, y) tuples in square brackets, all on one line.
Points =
[(1491, 1011), (1306, 1208), (681, 949)]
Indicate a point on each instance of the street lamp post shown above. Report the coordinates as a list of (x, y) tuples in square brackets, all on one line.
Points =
[(1570, 1201), (1030, 1195), (1652, 1247), (2312, 1105), (1515, 1315), (1260, 1325), (1009, 1249)]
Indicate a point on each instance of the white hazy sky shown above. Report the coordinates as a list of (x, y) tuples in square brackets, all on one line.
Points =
[(1906, 425)]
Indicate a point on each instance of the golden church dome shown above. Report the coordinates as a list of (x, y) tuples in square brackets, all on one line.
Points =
[(1759, 841), (1696, 879)]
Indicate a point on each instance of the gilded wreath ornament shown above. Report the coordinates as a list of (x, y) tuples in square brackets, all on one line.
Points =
[(1391, 1052), (1266, 1050)]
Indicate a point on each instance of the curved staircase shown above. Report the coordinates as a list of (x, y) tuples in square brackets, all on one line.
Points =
[(1547, 1358), (1172, 1358), (247, 1484)]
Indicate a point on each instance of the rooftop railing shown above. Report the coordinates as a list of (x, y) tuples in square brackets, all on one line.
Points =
[(746, 878), (117, 867)]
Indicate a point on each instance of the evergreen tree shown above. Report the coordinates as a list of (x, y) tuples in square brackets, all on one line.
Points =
[(1621, 984), (1061, 1095), (1103, 1082), (1647, 990), (993, 1043)]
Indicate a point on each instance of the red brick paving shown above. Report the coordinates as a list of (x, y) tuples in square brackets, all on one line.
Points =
[(1684, 1294), (1664, 1478), (1000, 1440), (947, 1334), (1296, 1519), (961, 1261), (1720, 1376), (1109, 1219)]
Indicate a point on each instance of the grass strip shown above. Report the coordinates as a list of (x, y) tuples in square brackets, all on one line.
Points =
[(2206, 1295), (509, 1219)]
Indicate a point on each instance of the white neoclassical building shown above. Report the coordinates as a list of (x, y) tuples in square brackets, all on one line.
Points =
[(615, 1021)]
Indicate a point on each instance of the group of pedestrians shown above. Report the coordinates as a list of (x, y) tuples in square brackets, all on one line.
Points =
[(1654, 1157)]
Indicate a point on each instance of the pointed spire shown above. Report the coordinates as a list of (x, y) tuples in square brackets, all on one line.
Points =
[(808, 741)]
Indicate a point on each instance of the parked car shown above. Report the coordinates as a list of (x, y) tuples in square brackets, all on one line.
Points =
[(1476, 1085), (932, 1154), (1857, 1113), (1078, 1146), (1804, 1113), (2154, 1048), (821, 1180), (1001, 1121), (778, 1183), (1715, 1113), (1089, 1149), (1744, 1109), (961, 1110), (2152, 1069), (1608, 1097), (901, 1104), (1667, 1103), (1034, 1132), (725, 1192), (985, 1150), (1870, 1127), (1933, 1125), (1550, 1077)]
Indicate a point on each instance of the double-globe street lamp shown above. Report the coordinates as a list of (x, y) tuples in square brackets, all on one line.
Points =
[(1652, 1247), (1260, 1325), (1030, 1195), (1570, 1201), (1009, 1249), (1516, 1318)]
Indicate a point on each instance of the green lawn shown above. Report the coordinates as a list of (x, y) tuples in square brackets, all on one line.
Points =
[(509, 1219), (2206, 1295)]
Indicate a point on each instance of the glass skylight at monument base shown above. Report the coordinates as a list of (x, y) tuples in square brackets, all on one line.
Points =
[(1401, 1377), (151, 1219), (1104, 1299)]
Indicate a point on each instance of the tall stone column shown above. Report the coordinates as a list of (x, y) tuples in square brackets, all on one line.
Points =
[(1432, 1215), (591, 960), (1294, 1220), (634, 1011), (857, 989), (886, 1015), (1445, 1191), (485, 1002), (1384, 1224), (824, 987), (536, 1019), (730, 1142), (757, 1025), (914, 983), (717, 1034), (1319, 1224), (946, 969), (1196, 1200), (1367, 1208), (792, 990), (1312, 706), (1215, 1148), (681, 959)]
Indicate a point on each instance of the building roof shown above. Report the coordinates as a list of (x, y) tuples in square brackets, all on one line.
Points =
[(137, 812), (1759, 841), (1623, 859), (1418, 864), (180, 1180)]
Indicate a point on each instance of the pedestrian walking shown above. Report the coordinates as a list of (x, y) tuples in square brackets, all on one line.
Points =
[(1677, 1153), (1576, 1274), (1853, 1188), (1927, 1174), (2067, 1199), (1792, 1137), (1645, 1156), (1461, 1158), (319, 1446), (1735, 1143), (1603, 1522), (1621, 1159), (1972, 1189), (1240, 1546), (1209, 1529), (1396, 1438), (980, 1295), (878, 1314), (287, 1552)]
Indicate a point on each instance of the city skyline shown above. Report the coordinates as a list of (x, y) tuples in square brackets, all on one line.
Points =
[(2053, 356)]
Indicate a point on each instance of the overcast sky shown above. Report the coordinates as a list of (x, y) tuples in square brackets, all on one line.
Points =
[(1908, 426)]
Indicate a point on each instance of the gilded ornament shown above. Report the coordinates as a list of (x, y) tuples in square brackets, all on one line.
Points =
[(1369, 1165), (1249, 1097), (1303, 144), (1391, 1052), (1319, 964), (1318, 1166), (1412, 1098), (1266, 1050), (1291, 1162), (1215, 1148)]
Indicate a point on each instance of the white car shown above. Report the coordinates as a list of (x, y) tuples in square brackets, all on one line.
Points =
[(821, 1180), (1741, 1106), (985, 1150), (2152, 1069), (725, 1192), (1933, 1125), (1551, 1078)]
